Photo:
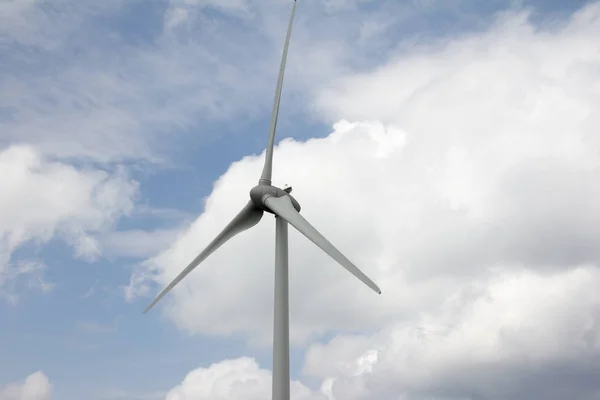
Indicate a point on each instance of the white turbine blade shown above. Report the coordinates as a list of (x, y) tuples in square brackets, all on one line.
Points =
[(268, 167), (246, 219), (283, 207)]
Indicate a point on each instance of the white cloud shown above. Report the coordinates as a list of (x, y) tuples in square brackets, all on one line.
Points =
[(227, 5), (13, 18), (519, 335), (33, 25), (468, 193), (139, 243), (83, 93), (117, 394), (245, 267), (543, 72), (236, 379), (95, 327), (31, 271), (43, 199), (35, 387), (471, 186), (57, 96)]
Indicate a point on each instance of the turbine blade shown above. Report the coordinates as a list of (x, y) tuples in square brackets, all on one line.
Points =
[(246, 219), (283, 207), (268, 167)]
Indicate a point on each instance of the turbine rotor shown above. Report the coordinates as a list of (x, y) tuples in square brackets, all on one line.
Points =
[(261, 192)]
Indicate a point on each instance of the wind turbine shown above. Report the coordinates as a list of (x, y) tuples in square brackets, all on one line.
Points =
[(267, 198)]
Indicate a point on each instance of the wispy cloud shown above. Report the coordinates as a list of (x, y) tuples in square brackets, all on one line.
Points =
[(138, 243), (96, 327), (119, 394), (90, 292), (29, 272), (107, 98), (42, 199)]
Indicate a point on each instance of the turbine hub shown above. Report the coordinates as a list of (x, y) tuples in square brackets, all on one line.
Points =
[(261, 191)]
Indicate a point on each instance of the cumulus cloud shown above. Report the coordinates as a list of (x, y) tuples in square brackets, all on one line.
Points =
[(498, 170), (517, 335), (246, 266), (461, 176), (43, 199), (35, 387), (241, 378)]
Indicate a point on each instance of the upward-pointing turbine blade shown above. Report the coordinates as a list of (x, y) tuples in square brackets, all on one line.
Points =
[(265, 177), (283, 207), (246, 219)]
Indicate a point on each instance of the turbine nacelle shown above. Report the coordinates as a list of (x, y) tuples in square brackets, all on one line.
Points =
[(261, 192)]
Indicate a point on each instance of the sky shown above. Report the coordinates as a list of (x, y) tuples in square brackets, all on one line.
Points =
[(451, 149)]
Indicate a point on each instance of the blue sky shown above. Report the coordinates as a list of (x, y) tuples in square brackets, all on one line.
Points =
[(131, 110)]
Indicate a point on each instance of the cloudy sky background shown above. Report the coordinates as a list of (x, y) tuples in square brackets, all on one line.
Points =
[(450, 148)]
